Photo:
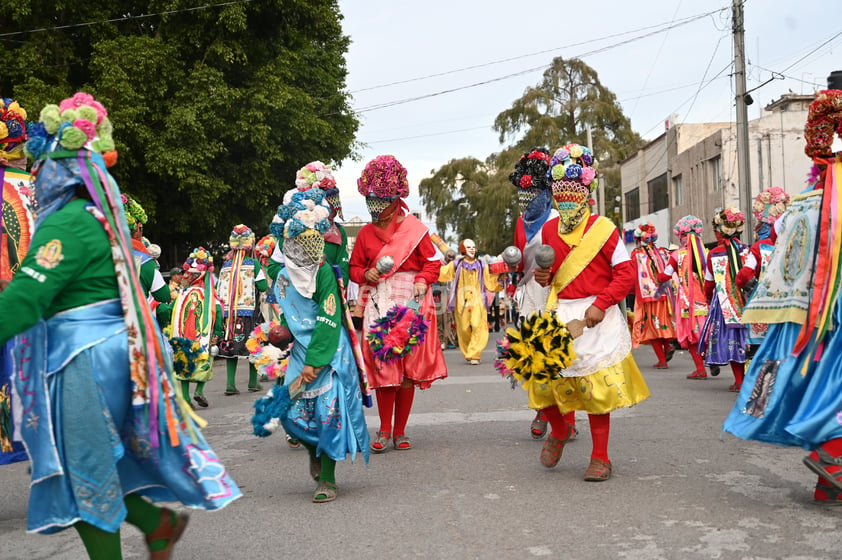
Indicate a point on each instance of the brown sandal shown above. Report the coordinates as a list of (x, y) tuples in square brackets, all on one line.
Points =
[(553, 447), (598, 471), (325, 492), (538, 428), (382, 440), (166, 531), (402, 441)]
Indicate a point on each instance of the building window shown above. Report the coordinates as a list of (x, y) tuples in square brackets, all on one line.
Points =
[(716, 173), (658, 193), (678, 190), (633, 204)]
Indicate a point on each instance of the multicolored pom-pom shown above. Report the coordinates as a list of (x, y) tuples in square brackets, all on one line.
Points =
[(392, 337)]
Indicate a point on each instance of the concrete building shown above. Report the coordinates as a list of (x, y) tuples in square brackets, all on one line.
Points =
[(692, 168)]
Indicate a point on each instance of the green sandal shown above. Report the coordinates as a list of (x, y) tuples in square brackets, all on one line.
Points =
[(231, 390), (325, 492)]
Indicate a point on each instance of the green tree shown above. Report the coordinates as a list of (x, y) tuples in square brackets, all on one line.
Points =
[(569, 99), (214, 109), (474, 198)]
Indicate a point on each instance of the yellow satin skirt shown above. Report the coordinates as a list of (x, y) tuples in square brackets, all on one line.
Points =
[(617, 386)]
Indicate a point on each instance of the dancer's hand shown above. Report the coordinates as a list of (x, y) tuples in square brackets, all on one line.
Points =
[(420, 289), (372, 275), (594, 316), (542, 276), (309, 373), (4, 283)]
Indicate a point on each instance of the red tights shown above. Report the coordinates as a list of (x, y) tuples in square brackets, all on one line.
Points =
[(397, 401), (739, 372), (661, 347), (600, 428), (697, 358)]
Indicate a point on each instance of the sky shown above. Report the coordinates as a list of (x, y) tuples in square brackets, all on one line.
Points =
[(428, 78)]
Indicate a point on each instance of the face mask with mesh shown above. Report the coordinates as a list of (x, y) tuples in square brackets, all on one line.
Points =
[(525, 197), (376, 206), (305, 249), (571, 197)]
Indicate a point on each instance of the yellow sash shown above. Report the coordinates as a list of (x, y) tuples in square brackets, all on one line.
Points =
[(580, 257)]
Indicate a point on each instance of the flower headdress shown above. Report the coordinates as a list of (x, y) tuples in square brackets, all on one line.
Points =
[(135, 214), (241, 238), (318, 175), (645, 233), (532, 170), (12, 130), (265, 247), (573, 163), (200, 260), (78, 122), (688, 224), (823, 120), (729, 221), (383, 177), (302, 210), (769, 205)]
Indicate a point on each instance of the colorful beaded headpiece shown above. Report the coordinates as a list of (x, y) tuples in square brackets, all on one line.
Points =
[(532, 170)]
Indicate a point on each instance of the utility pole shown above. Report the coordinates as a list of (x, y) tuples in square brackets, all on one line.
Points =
[(742, 115), (600, 186)]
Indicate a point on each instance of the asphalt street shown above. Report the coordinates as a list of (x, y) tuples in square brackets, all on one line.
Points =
[(472, 485)]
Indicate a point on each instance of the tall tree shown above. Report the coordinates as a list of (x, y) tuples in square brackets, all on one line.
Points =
[(214, 108), (569, 99), (474, 198)]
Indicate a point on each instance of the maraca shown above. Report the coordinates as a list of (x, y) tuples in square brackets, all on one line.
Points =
[(385, 264), (512, 256), (279, 336), (544, 256)]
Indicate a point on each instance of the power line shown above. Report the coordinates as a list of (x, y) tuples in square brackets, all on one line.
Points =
[(124, 18), (654, 61), (671, 25), (519, 73), (712, 56)]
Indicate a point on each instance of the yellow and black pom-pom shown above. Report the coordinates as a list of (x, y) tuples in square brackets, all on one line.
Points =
[(540, 349)]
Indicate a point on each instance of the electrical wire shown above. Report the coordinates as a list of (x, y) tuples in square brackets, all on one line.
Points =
[(684, 21), (124, 18)]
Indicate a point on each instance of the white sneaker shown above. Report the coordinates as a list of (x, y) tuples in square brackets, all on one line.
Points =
[(473, 362)]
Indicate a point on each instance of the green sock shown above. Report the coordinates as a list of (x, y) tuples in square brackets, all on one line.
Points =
[(200, 388), (146, 517), (101, 545), (253, 376), (185, 390), (231, 366), (328, 469)]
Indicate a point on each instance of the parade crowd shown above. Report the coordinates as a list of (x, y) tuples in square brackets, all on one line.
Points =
[(104, 362)]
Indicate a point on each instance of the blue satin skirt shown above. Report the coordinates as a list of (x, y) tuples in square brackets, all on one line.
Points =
[(784, 403), (89, 445)]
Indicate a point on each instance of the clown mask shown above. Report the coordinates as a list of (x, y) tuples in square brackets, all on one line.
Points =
[(470, 249)]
